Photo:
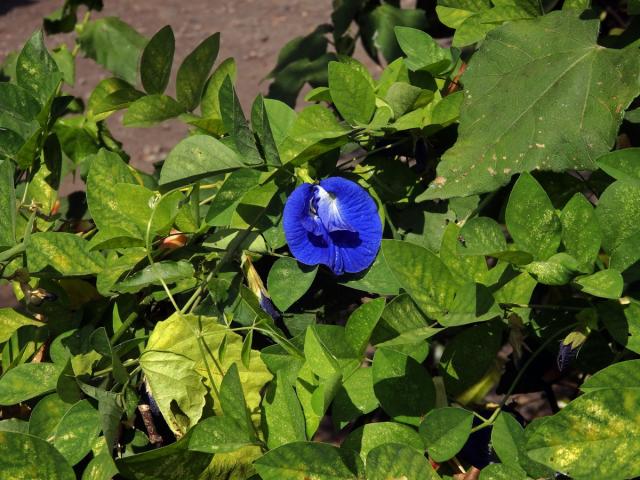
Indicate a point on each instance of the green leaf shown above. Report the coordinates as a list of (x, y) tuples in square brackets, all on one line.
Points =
[(36, 71), (465, 18), (618, 213), (581, 235), (622, 164), (156, 61), (318, 94), (229, 196), (236, 124), (399, 316), (401, 97), (289, 280), (393, 460), (422, 51), (377, 28), (245, 353), (445, 431), (320, 359), (150, 110), (262, 127), (372, 435), (531, 218), (283, 418), (422, 275), (71, 428), (315, 395), (463, 268), (623, 323), (218, 435), (110, 95), (11, 320), (173, 461), (194, 70), (67, 254), (361, 324), (176, 387), (481, 236), (594, 436), (469, 356), (403, 387), (558, 270), (107, 170), (46, 415), (196, 157), (352, 93), (166, 271), (354, 398), (378, 278), (115, 45), (576, 4), (25, 457), (28, 380), (281, 117), (528, 105), (603, 284), (14, 425), (18, 112), (295, 461), (210, 106), (254, 203), (10, 142), (314, 131), (101, 467), (498, 471), (231, 431), (412, 342), (507, 439), (473, 303), (623, 375)]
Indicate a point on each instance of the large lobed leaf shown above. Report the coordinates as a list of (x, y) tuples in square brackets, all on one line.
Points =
[(536, 99), (176, 370)]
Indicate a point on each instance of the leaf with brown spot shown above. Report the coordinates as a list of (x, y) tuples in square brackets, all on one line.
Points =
[(536, 98)]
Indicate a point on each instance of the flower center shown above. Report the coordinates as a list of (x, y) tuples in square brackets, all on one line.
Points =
[(324, 208)]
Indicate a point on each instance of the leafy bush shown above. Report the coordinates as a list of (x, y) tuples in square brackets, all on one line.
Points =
[(465, 230)]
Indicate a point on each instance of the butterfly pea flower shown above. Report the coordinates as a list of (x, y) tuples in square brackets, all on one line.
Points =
[(333, 223)]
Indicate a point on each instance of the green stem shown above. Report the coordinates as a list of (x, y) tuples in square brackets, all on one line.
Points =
[(483, 203), (124, 327), (126, 363), (196, 195), (22, 246), (11, 252), (147, 242), (536, 306)]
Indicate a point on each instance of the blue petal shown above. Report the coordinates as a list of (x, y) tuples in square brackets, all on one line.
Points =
[(357, 249), (307, 247)]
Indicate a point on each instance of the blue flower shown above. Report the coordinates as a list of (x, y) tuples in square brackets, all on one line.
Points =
[(335, 223)]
